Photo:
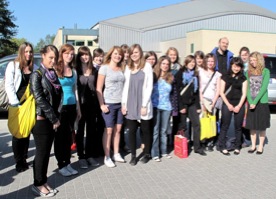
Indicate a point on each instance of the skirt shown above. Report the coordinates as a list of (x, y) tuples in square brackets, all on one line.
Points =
[(258, 118)]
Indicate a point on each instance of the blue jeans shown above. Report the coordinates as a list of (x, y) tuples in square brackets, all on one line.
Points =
[(161, 118)]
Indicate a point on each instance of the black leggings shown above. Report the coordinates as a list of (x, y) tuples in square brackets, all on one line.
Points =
[(43, 134), (63, 136), (20, 149), (146, 128), (88, 119)]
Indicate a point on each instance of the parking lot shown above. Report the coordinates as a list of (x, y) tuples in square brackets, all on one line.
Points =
[(245, 176)]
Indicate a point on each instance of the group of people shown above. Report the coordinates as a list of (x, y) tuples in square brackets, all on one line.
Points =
[(102, 95)]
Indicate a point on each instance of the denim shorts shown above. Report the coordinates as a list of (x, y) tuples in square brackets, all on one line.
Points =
[(114, 116)]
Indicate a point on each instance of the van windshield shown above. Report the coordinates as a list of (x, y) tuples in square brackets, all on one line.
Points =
[(270, 63)]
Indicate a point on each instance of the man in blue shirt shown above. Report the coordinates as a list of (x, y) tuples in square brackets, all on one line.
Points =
[(223, 56)]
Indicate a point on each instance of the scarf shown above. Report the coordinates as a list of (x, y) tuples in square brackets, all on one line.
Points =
[(52, 77), (188, 76)]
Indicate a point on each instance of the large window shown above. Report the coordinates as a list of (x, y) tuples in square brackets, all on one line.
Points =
[(79, 43), (89, 43), (72, 42)]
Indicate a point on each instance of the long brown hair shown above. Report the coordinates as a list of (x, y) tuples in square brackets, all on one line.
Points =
[(260, 64), (168, 77), (84, 50), (60, 64), (21, 56), (142, 60), (187, 60)]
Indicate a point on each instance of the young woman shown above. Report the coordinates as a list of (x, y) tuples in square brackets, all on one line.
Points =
[(189, 100), (200, 63), (124, 138), (210, 91), (109, 90), (233, 103), (98, 56), (173, 54), (47, 92), (244, 55), (258, 115), (136, 101), (97, 147), (88, 100), (16, 81), (70, 109), (161, 107), (151, 58), (126, 51)]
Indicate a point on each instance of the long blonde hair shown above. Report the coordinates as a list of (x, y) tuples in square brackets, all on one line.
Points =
[(260, 64), (107, 57), (168, 77)]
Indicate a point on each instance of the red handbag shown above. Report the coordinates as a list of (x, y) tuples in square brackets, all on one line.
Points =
[(181, 146)]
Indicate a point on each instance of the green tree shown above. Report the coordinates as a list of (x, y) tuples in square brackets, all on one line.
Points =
[(42, 42), (17, 42), (7, 28)]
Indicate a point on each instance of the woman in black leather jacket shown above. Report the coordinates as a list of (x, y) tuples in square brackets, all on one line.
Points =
[(47, 92)]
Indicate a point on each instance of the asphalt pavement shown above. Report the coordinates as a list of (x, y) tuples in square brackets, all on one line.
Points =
[(215, 176)]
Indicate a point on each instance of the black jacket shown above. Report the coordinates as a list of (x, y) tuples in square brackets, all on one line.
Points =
[(46, 97), (189, 97)]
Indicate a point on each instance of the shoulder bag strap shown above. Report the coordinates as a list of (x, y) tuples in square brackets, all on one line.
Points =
[(209, 82)]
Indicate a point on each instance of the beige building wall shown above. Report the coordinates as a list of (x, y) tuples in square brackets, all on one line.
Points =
[(179, 44), (206, 40), (58, 41)]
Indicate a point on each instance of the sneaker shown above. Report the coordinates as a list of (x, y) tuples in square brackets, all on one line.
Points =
[(108, 162), (93, 162), (156, 159), (118, 158), (83, 164), (71, 170), (166, 156), (64, 172)]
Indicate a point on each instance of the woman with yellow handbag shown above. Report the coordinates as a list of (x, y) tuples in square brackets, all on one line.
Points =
[(16, 82)]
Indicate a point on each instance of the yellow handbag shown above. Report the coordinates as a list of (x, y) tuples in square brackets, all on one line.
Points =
[(22, 119), (208, 128)]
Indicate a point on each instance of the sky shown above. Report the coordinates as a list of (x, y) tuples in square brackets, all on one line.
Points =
[(37, 18)]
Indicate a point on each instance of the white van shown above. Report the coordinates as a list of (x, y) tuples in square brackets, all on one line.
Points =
[(270, 63)]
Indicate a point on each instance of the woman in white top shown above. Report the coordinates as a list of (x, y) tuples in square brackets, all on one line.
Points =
[(210, 91), (16, 81), (136, 101)]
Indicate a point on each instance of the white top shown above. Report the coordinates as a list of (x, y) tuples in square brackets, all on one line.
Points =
[(13, 77), (147, 90), (113, 85), (210, 92)]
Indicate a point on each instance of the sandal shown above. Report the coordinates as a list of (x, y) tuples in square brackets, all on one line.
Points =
[(37, 192)]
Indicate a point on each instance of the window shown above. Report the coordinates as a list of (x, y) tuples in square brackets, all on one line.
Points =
[(72, 42), (79, 43), (192, 48), (89, 43)]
